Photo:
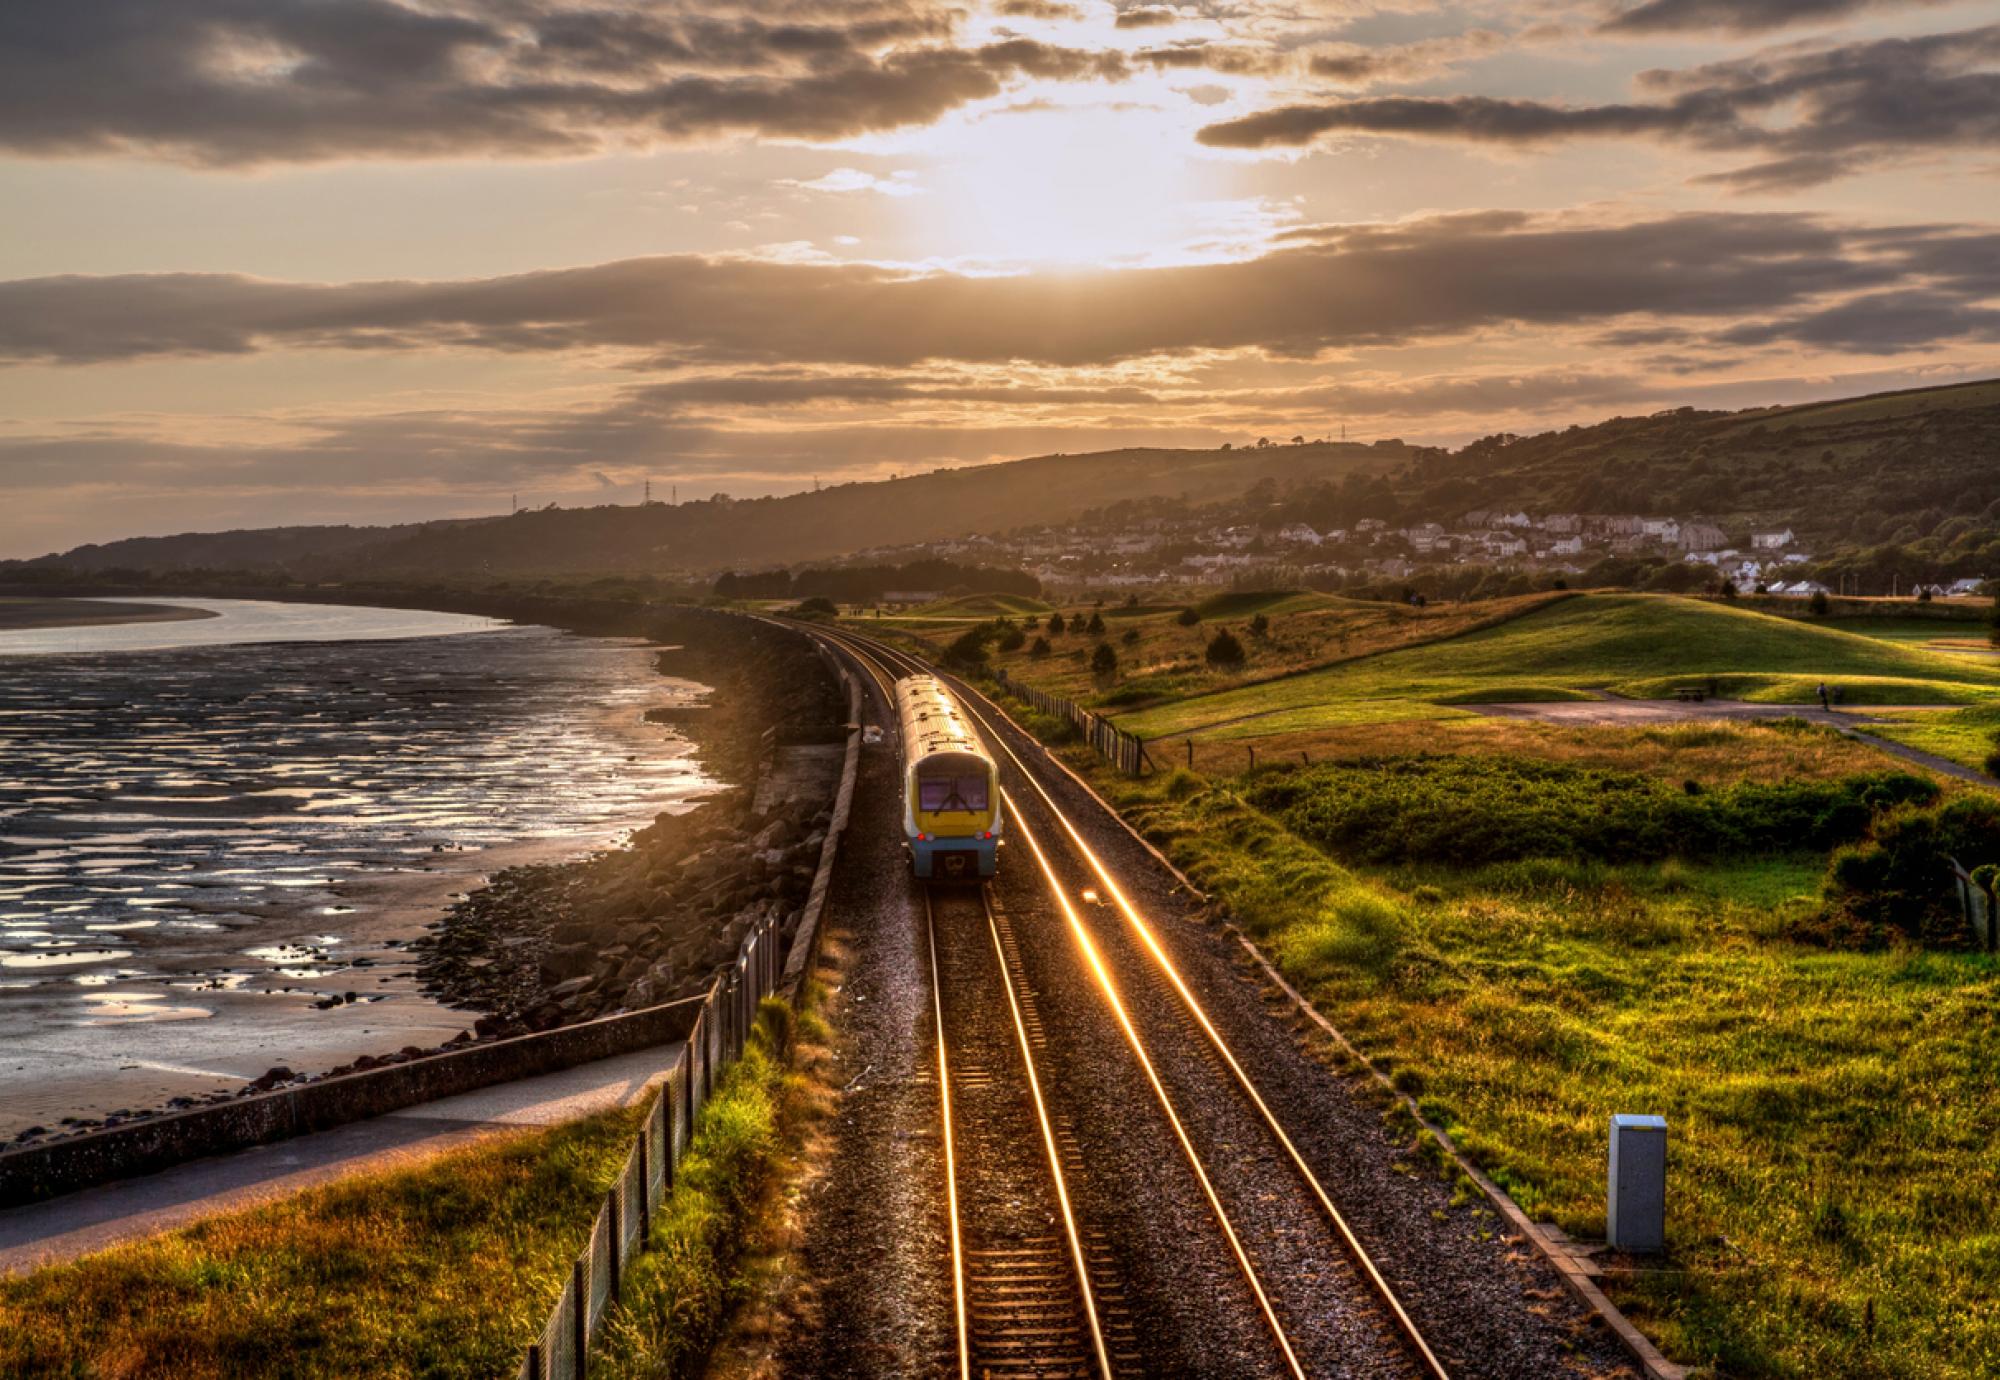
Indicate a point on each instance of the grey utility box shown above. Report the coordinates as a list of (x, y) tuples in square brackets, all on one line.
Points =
[(1636, 1205)]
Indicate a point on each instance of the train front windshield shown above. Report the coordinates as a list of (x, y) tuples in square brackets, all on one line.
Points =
[(937, 795)]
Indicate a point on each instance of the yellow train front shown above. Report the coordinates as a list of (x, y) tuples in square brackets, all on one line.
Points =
[(951, 791)]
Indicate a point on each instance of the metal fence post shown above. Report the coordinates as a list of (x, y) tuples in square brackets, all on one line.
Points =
[(614, 1200), (580, 1317), (645, 1184)]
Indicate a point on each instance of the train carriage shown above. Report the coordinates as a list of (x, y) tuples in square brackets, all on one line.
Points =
[(951, 790)]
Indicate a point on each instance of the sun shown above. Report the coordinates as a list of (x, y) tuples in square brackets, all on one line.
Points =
[(1047, 185)]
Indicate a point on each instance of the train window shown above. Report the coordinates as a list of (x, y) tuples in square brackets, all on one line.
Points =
[(942, 794)]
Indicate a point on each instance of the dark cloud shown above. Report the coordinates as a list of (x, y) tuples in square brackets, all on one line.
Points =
[(1741, 16), (1331, 287), (1146, 17), (1356, 65), (1811, 114), (250, 81), (1039, 9)]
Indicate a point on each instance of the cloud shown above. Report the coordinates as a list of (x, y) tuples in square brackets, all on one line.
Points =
[(1356, 65), (1329, 288), (244, 82), (1813, 114), (1147, 17), (844, 180), (1741, 16)]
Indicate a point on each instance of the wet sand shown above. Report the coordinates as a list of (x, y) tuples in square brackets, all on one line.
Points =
[(89, 613)]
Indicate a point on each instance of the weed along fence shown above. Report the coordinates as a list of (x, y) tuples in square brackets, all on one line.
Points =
[(764, 967), (625, 1220), (1121, 749)]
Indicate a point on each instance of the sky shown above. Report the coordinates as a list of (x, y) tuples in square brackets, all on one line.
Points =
[(269, 262)]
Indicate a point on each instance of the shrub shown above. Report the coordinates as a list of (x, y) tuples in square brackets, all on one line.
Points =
[(968, 649), (818, 606), (1104, 661), (1056, 625), (1818, 605), (1187, 617), (1472, 811), (1260, 626), (1095, 627), (1040, 649), (1897, 879), (1013, 639), (1130, 637), (1224, 650)]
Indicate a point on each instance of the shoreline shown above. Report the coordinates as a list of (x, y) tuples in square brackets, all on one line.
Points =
[(48, 615)]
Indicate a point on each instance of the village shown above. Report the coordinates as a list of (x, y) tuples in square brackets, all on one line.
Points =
[(1166, 552)]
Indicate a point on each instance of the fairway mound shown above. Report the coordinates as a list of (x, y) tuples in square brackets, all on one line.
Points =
[(984, 606)]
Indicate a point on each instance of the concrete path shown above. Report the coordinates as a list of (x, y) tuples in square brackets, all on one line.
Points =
[(79, 1223), (1637, 713)]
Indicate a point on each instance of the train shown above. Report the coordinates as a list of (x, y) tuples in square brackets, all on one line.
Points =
[(951, 789)]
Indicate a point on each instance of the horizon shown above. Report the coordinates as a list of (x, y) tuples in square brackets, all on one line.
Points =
[(383, 261)]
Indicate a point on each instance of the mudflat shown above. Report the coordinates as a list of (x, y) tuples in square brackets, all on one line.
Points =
[(85, 613)]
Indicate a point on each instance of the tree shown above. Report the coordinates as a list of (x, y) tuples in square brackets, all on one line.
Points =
[(1187, 617), (1095, 627), (1012, 639), (1298, 440), (1728, 590), (969, 648), (1056, 624), (1224, 650), (819, 605), (1040, 649), (1817, 605), (1130, 637), (1260, 627), (1104, 662), (1923, 594)]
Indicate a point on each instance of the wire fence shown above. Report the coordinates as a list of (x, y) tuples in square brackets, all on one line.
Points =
[(1123, 750), (624, 1221)]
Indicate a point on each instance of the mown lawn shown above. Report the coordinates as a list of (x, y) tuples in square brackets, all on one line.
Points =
[(1622, 644), (1966, 736), (1835, 1201), (446, 1269)]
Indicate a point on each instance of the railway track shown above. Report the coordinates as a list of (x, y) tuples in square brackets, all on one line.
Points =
[(1297, 1260)]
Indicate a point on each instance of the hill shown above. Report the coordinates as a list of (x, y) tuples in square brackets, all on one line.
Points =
[(1628, 644), (721, 533)]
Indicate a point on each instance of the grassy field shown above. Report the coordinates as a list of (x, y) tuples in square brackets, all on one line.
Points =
[(1623, 644), (1160, 658), (446, 1270), (1833, 1199), (1833, 1207)]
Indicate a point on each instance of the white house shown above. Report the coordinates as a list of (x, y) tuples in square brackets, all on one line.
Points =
[(1771, 541), (1567, 546), (1960, 589), (1299, 533)]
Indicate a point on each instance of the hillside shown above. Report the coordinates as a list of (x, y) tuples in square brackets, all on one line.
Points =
[(716, 534), (1901, 481)]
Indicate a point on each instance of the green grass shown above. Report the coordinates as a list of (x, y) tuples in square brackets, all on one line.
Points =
[(1626, 644), (1966, 736), (447, 1269), (1831, 1113), (678, 1295)]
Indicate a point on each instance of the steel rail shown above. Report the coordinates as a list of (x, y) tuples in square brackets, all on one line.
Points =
[(1380, 1285), (877, 668)]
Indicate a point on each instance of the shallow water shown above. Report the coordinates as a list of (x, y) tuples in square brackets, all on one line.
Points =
[(183, 831), (238, 621)]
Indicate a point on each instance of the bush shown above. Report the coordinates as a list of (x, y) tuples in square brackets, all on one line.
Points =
[(968, 649), (1897, 879), (1095, 627), (1040, 649), (1471, 811), (1817, 605), (1056, 625), (1224, 650), (817, 606), (1104, 662), (1012, 639), (1260, 627), (1130, 637), (1187, 617)]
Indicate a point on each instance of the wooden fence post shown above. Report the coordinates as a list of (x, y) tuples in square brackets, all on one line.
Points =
[(1253, 757)]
